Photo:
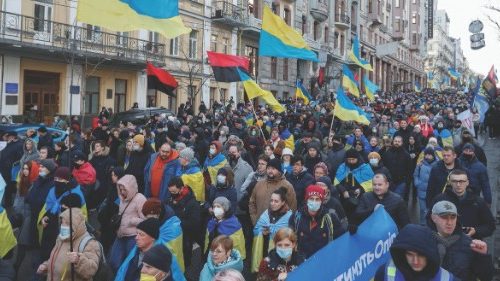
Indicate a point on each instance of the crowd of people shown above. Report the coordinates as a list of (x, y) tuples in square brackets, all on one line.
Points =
[(257, 192)]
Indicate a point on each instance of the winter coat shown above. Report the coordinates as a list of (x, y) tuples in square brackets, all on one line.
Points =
[(328, 227), (479, 181), (36, 199), (398, 162), (28, 156), (272, 265), (478, 151), (169, 171), (59, 268), (45, 141), (241, 171), (472, 212), (392, 202), (421, 177), (366, 144), (137, 164), (187, 210), (131, 216), (405, 134), (335, 158), (227, 192), (210, 269), (437, 180), (102, 164), (10, 154), (300, 182), (66, 159), (261, 194), (85, 174)]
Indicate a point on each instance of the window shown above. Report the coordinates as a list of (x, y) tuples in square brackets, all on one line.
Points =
[(396, 3), (120, 95), (370, 6), (414, 40), (342, 43), (275, 8), (213, 43), (225, 45), (274, 67), (222, 93), (397, 24), (152, 97), (174, 46), (414, 1), (212, 96), (92, 86), (414, 18), (285, 69), (93, 33), (43, 16), (152, 45), (316, 32), (287, 16), (304, 24), (251, 53), (326, 34), (193, 42), (361, 32), (122, 38), (286, 95), (172, 101)]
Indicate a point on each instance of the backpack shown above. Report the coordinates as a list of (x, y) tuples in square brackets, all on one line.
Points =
[(103, 270)]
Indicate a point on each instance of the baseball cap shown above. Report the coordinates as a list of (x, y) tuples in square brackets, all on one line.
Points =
[(444, 208)]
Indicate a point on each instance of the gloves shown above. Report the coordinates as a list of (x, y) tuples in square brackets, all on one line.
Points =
[(352, 228)]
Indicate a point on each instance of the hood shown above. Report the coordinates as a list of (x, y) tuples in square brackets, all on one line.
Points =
[(130, 184), (104, 153), (234, 263), (34, 150), (419, 239), (78, 220), (173, 155)]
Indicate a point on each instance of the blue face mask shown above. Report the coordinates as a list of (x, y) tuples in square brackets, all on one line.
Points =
[(313, 205), (42, 174), (284, 253), (64, 233)]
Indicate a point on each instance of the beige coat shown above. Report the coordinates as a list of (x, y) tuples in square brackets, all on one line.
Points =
[(59, 269), (261, 196)]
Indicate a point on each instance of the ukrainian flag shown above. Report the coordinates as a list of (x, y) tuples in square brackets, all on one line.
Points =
[(277, 39), (230, 227), (288, 138), (171, 237), (193, 177), (362, 174), (258, 237), (354, 55), (160, 16), (349, 82), (302, 93), (418, 89), (53, 206), (6, 233), (453, 73), (214, 164), (445, 137), (370, 88), (253, 91), (249, 119), (346, 110)]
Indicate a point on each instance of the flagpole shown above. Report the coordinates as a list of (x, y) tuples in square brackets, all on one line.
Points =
[(256, 119), (333, 117), (296, 83)]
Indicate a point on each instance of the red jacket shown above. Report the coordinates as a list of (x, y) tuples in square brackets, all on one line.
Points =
[(85, 174)]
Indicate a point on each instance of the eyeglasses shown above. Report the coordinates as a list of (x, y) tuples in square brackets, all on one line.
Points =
[(459, 181), (262, 163)]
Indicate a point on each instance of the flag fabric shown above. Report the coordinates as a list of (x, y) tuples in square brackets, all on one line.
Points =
[(288, 138), (277, 39), (227, 68), (362, 174), (349, 82), (302, 93), (355, 55), (321, 77), (270, 100), (346, 110), (212, 165), (160, 16), (249, 119), (253, 90), (9, 240), (230, 227), (490, 82), (193, 177), (370, 88), (418, 89), (480, 100), (161, 80), (453, 73)]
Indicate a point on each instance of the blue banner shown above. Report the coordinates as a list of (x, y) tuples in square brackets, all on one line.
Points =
[(352, 257)]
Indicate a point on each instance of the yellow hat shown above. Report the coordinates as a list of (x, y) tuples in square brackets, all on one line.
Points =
[(139, 139)]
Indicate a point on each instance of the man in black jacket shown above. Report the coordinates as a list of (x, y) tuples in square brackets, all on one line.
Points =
[(474, 215), (186, 207), (465, 258), (398, 161), (10, 154), (44, 138), (439, 174), (468, 138), (381, 195), (300, 178)]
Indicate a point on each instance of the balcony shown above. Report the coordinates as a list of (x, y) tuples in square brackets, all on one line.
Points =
[(48, 38), (383, 28), (375, 18), (229, 14), (319, 10), (398, 35), (342, 21), (254, 25)]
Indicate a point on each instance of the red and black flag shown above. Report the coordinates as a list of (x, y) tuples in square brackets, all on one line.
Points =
[(161, 80), (227, 68), (490, 82)]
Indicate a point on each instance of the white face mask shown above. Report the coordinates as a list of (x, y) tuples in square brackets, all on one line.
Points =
[(136, 147), (221, 179), (64, 233), (212, 151), (218, 212), (374, 161)]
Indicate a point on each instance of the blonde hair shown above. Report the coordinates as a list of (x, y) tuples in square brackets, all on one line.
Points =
[(228, 275), (285, 233)]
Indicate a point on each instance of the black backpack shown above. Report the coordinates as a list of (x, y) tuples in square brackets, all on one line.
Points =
[(103, 272)]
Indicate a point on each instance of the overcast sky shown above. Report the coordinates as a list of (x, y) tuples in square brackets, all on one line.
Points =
[(461, 13)]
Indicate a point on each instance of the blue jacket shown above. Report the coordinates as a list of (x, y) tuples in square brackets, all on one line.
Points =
[(300, 182), (437, 180), (366, 144), (478, 177), (421, 177), (229, 193), (169, 172), (210, 270)]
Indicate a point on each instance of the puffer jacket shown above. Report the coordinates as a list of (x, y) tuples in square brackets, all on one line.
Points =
[(478, 177), (210, 269), (59, 268), (421, 177), (131, 216), (85, 174)]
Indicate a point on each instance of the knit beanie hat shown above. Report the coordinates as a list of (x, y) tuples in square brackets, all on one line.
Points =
[(139, 139), (63, 173), (286, 151), (152, 206), (187, 154), (224, 202), (315, 190), (374, 154), (429, 150), (49, 164), (151, 227), (321, 165), (72, 200), (158, 257), (275, 163), (352, 153)]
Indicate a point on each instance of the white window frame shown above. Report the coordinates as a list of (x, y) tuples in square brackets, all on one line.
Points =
[(174, 46)]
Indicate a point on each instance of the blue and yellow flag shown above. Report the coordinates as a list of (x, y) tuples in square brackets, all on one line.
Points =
[(453, 73), (355, 55), (362, 174), (230, 227), (249, 119), (302, 93), (418, 89), (349, 82), (444, 137), (253, 90), (6, 233), (160, 16), (370, 88), (277, 39), (288, 138), (212, 165), (193, 177), (346, 110)]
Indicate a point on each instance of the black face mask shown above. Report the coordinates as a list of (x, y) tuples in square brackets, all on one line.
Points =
[(60, 187), (468, 156), (76, 165)]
